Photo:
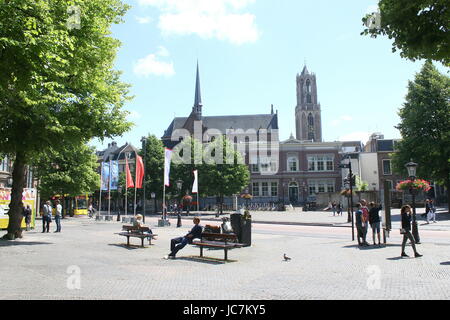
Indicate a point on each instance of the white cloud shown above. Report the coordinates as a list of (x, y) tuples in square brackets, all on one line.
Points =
[(372, 8), (144, 20), (151, 65), (220, 19), (355, 136)]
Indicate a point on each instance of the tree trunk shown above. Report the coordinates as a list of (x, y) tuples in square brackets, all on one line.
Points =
[(16, 204)]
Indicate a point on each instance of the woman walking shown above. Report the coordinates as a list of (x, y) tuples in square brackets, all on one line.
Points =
[(406, 231)]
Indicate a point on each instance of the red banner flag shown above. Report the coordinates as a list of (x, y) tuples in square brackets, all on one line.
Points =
[(130, 183), (139, 172)]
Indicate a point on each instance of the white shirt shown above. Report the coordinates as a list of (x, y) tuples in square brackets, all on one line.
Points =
[(58, 209)]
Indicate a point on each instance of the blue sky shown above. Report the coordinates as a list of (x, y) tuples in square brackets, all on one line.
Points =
[(249, 52)]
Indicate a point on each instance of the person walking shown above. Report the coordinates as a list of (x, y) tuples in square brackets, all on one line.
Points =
[(360, 232), (427, 209), (365, 217), (406, 231), (333, 207), (375, 221), (179, 243), (431, 212), (47, 217), (27, 215), (58, 214)]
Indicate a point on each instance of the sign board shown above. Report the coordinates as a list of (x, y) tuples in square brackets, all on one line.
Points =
[(28, 197)]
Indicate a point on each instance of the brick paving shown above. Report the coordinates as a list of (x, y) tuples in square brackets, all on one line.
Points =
[(325, 264)]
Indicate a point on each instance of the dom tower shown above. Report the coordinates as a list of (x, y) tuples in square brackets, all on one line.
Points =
[(308, 121)]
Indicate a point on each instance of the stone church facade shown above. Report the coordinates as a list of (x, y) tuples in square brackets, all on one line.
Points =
[(308, 168)]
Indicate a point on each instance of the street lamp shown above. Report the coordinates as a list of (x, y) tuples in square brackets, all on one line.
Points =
[(351, 182), (144, 145), (412, 169)]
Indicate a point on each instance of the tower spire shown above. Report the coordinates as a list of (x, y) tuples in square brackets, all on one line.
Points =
[(198, 96)]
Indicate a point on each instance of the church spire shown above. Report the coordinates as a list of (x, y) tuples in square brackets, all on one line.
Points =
[(198, 97)]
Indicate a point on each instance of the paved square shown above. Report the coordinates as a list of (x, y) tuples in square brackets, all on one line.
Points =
[(325, 264)]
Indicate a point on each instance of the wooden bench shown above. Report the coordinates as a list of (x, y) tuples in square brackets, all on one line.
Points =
[(219, 241), (137, 232)]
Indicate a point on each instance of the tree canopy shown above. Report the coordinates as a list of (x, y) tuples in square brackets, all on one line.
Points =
[(419, 28), (424, 126), (58, 85)]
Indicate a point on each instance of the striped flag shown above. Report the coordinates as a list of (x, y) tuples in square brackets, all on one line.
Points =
[(167, 159), (195, 185)]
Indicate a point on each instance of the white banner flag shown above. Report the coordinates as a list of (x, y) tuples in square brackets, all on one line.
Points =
[(167, 159), (195, 185)]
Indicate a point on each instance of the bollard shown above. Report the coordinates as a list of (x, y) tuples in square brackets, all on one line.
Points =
[(179, 221)]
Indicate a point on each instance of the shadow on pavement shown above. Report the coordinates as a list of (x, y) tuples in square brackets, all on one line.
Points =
[(399, 258), (447, 263), (372, 247), (130, 247), (9, 243), (206, 260)]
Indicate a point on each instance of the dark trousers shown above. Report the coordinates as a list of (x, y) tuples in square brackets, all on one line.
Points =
[(46, 223), (58, 223), (361, 234), (409, 236), (177, 244)]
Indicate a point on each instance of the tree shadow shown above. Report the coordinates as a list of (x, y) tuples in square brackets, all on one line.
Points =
[(9, 243)]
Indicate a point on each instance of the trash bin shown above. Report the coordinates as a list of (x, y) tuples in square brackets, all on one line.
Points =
[(242, 228)]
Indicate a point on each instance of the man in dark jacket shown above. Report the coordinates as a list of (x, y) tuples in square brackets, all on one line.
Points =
[(375, 221), (179, 243), (406, 231)]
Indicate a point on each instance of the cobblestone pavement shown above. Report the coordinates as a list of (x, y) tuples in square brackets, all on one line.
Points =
[(325, 264)]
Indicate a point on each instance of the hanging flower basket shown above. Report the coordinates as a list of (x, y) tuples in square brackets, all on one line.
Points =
[(418, 184), (247, 196), (187, 198)]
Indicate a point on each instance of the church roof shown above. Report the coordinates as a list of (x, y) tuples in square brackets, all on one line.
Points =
[(222, 123)]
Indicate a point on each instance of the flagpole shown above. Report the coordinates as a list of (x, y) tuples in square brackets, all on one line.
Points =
[(101, 185), (126, 193), (109, 189), (135, 180)]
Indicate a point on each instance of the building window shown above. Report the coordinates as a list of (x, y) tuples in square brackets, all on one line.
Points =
[(330, 163), (255, 189), (387, 167), (292, 164), (321, 186), (320, 163), (255, 168), (265, 189), (274, 189)]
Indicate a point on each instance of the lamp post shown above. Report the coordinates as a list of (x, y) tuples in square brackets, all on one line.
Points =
[(179, 185), (412, 169), (305, 196), (351, 182)]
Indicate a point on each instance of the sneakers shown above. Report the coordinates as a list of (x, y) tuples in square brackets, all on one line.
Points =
[(417, 255), (168, 257)]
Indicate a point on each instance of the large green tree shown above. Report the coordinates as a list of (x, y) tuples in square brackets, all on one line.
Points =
[(70, 172), (221, 169), (57, 83), (424, 127), (419, 28)]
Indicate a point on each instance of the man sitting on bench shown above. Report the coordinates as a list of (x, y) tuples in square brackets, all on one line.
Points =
[(179, 243)]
